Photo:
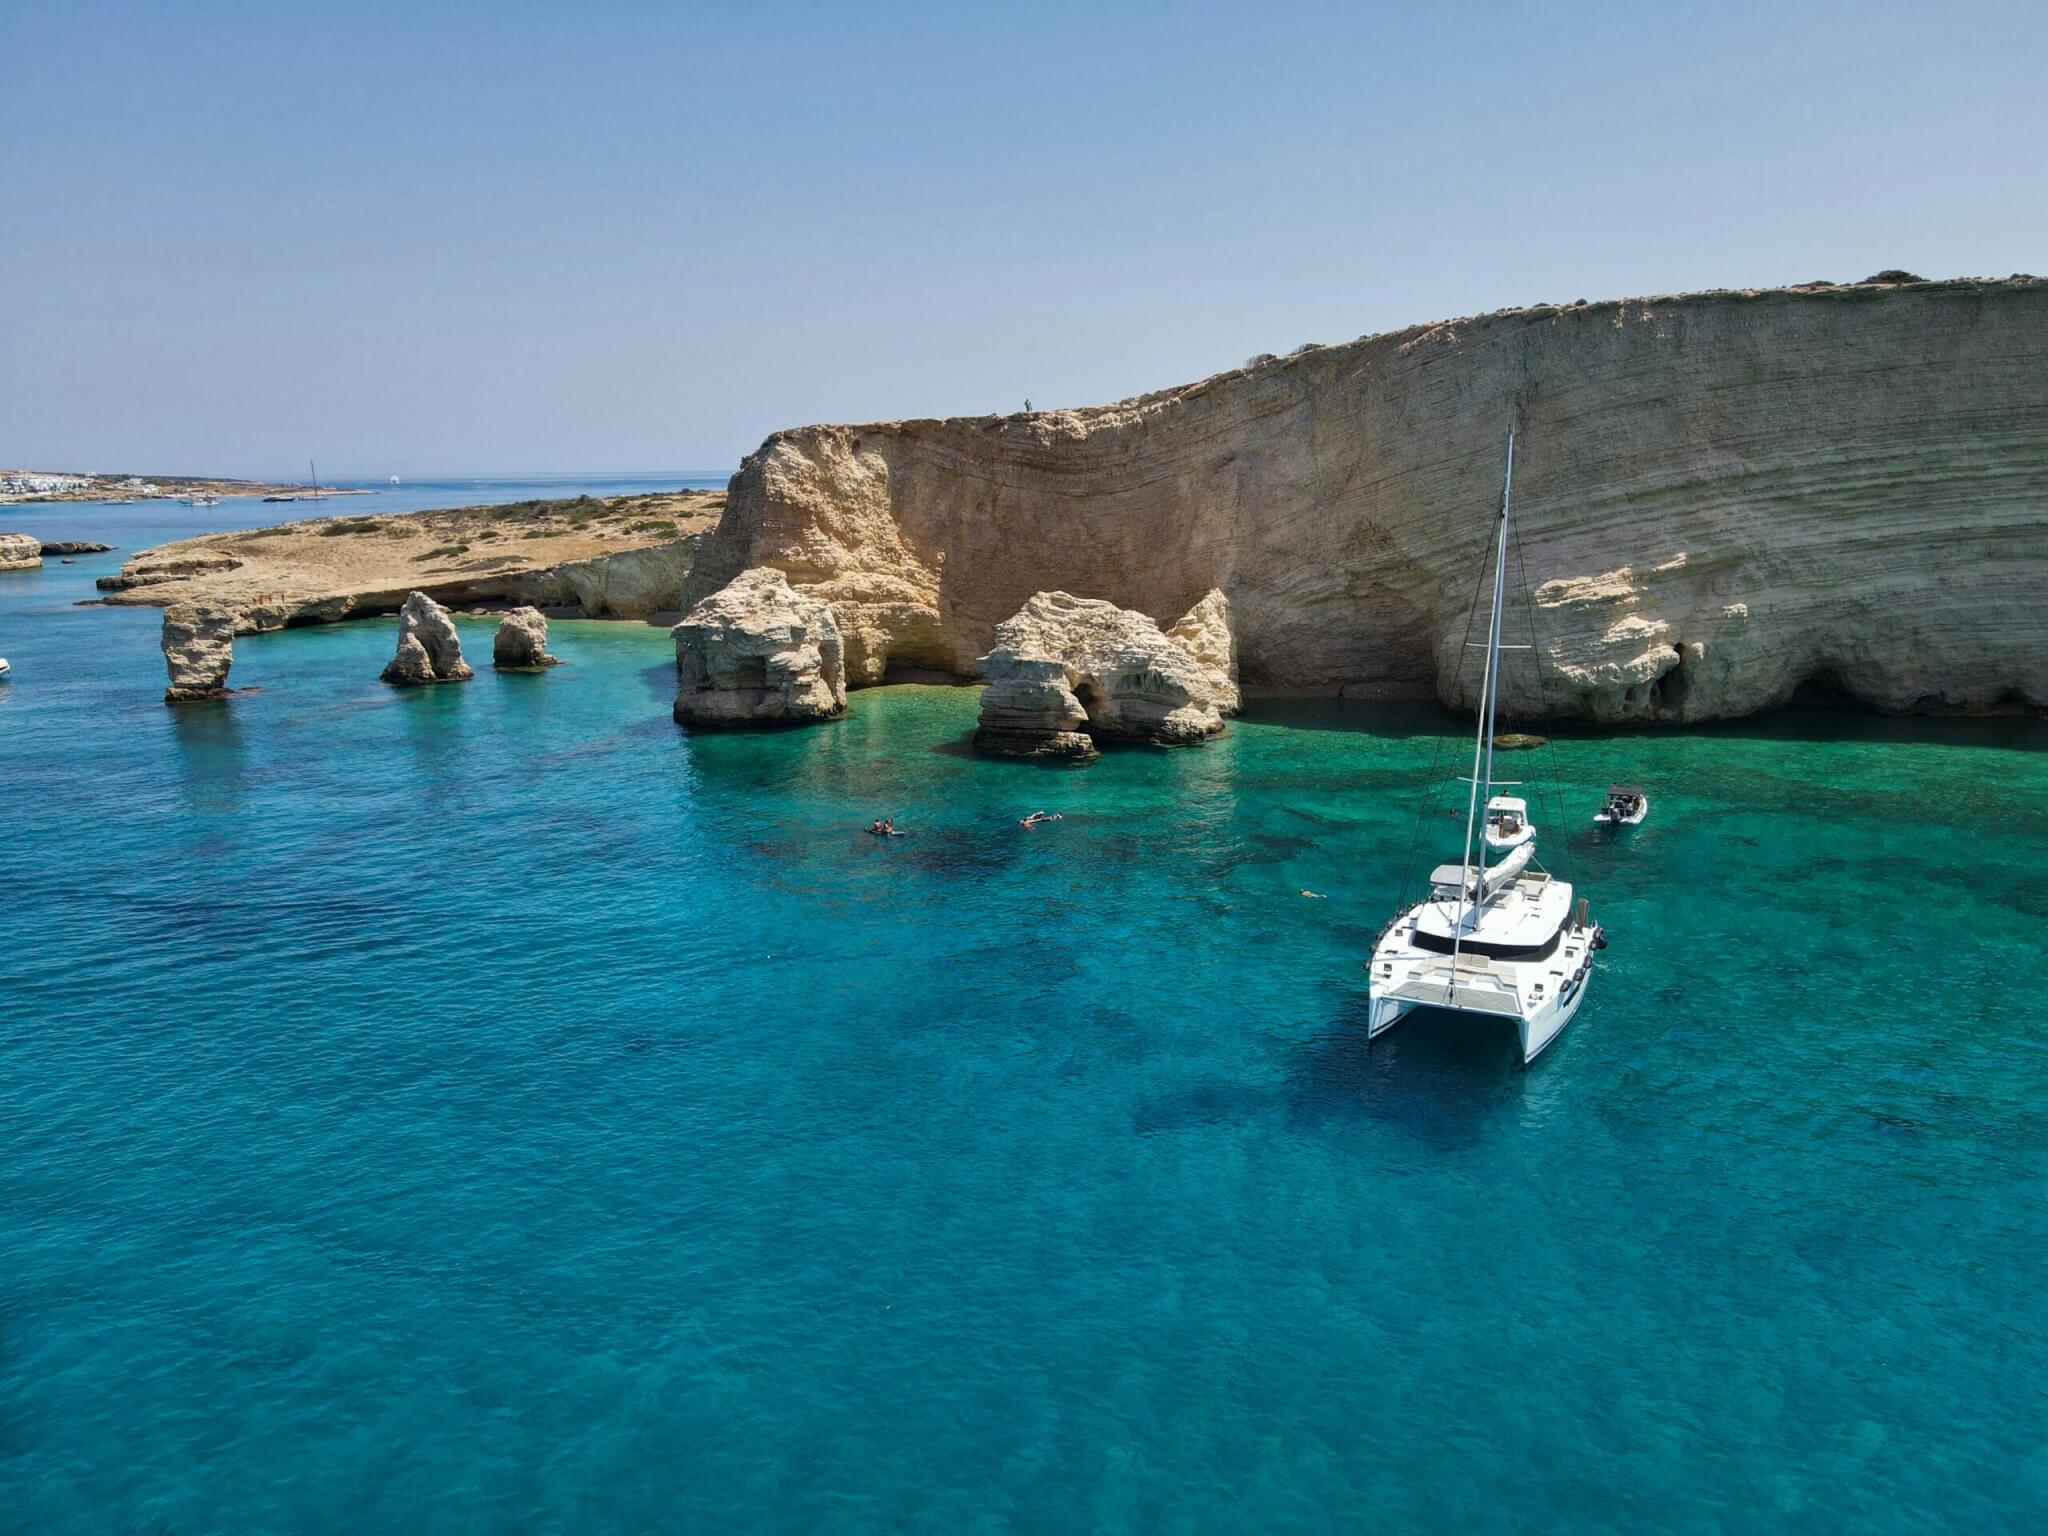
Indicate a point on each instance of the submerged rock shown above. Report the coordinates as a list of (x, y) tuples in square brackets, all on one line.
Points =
[(20, 551), (1518, 741), (429, 651), (1068, 671), (522, 641), (759, 652), (199, 647)]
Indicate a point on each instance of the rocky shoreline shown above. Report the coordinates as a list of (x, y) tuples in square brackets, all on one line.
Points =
[(1724, 500), (614, 557)]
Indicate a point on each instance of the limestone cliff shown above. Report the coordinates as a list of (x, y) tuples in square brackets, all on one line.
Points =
[(1721, 497)]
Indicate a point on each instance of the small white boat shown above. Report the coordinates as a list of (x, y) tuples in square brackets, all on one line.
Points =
[(1507, 822), (1626, 807), (4, 668)]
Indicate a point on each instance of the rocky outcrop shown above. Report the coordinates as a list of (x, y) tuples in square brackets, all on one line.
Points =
[(199, 648), (617, 557), (56, 547), (756, 652), (429, 650), (521, 643), (627, 584), (1720, 497), (20, 551), (144, 570), (1068, 671)]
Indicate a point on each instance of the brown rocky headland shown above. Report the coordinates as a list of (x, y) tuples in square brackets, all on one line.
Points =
[(602, 557)]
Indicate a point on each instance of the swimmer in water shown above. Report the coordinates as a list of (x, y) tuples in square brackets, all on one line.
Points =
[(1039, 818)]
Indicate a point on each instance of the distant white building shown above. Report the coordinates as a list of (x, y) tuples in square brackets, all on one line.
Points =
[(28, 483)]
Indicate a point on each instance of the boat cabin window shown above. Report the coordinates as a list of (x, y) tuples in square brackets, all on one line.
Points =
[(1439, 946)]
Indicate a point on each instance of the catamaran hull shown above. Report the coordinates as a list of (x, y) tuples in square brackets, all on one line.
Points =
[(1536, 1031)]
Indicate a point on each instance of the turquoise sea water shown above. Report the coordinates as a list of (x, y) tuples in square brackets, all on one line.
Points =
[(494, 1109)]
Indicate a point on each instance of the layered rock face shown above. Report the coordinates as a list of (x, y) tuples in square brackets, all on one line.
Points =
[(521, 643), (757, 652), (199, 648), (1066, 671), (1719, 497), (618, 557), (625, 584), (20, 551), (429, 650)]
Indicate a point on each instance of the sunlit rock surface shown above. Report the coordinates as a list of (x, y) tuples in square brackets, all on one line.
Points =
[(1720, 497), (199, 647), (429, 650), (1067, 671), (521, 642), (758, 653)]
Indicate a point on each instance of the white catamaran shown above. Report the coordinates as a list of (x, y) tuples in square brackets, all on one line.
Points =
[(1505, 940)]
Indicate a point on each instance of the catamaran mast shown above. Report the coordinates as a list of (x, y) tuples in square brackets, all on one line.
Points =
[(1500, 592), (1489, 691)]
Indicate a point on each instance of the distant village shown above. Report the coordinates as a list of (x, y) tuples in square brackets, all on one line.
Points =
[(28, 485), (17, 482)]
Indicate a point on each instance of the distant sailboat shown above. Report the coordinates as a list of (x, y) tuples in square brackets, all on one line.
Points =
[(394, 479)]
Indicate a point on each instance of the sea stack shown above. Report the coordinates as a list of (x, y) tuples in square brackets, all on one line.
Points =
[(20, 551), (428, 649), (199, 647), (521, 644), (1067, 671), (759, 652)]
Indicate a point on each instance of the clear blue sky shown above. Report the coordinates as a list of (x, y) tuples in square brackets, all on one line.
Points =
[(407, 238)]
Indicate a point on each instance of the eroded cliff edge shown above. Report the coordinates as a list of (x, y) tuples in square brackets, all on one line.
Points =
[(1721, 497)]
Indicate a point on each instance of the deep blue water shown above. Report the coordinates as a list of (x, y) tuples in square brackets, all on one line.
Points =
[(495, 1109)]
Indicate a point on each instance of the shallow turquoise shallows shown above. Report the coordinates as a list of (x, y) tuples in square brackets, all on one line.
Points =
[(495, 1109)]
